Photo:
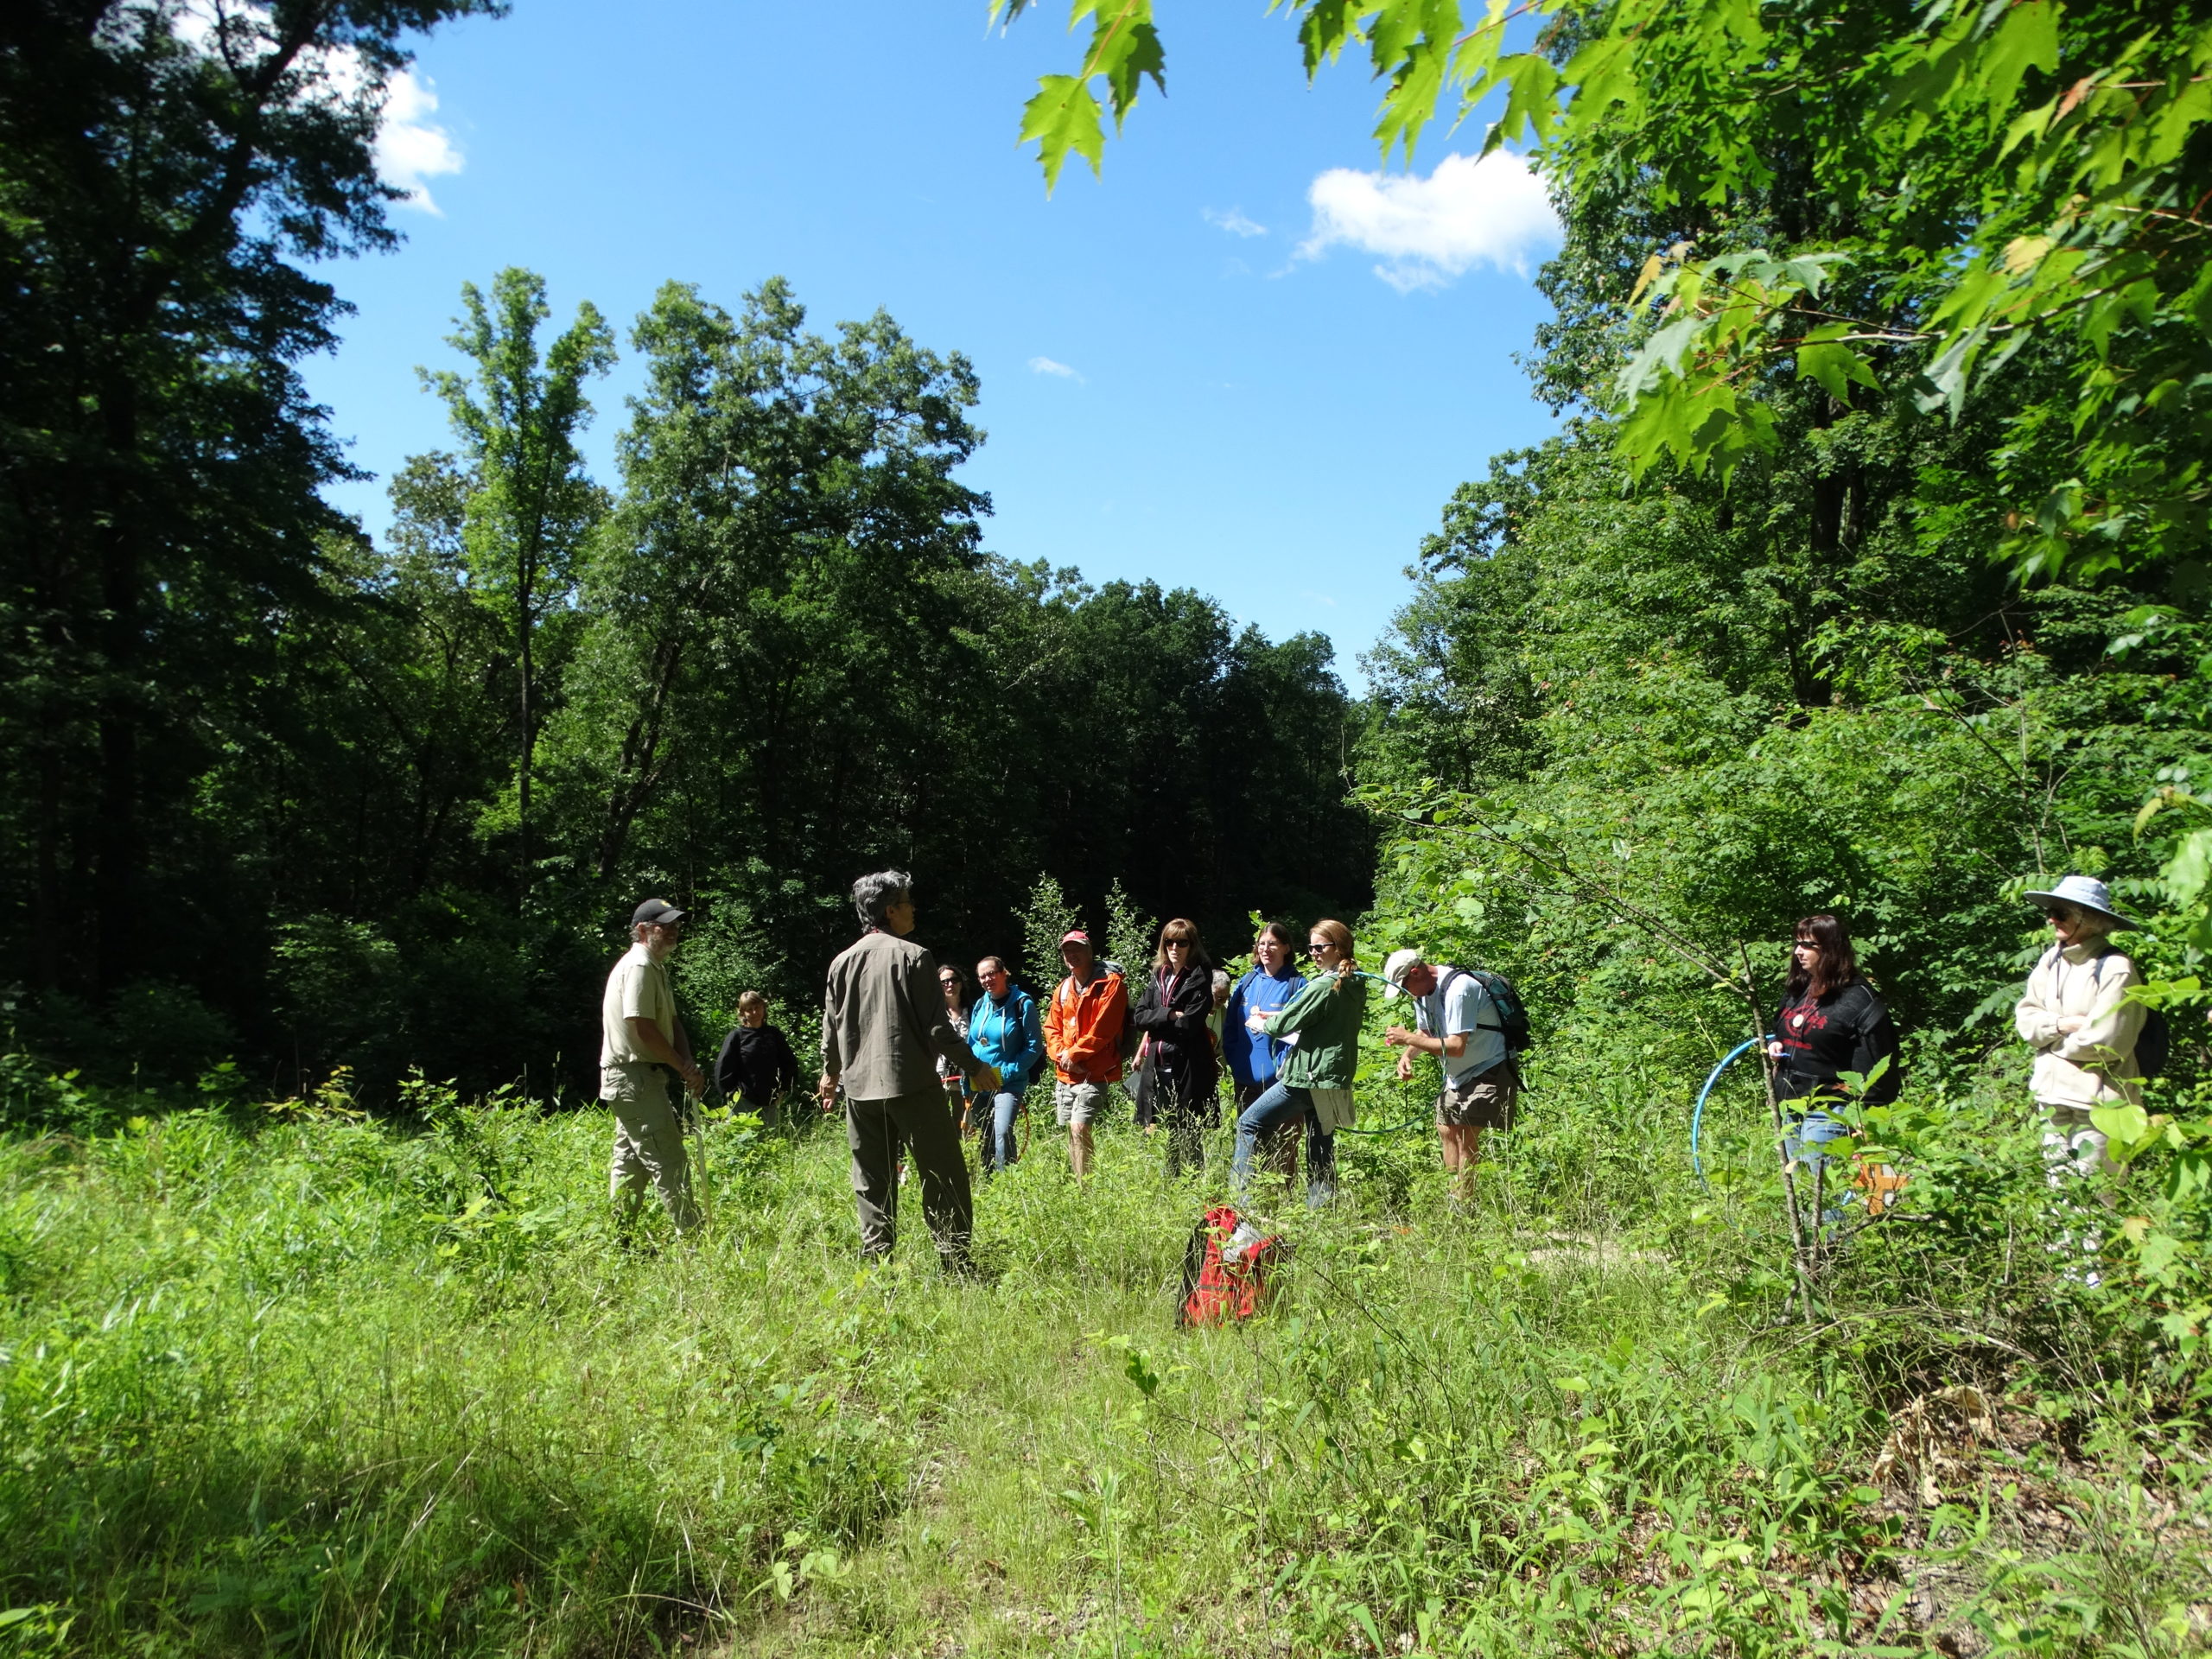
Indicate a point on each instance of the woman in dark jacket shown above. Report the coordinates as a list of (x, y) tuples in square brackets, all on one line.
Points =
[(1172, 1013), (1831, 1023)]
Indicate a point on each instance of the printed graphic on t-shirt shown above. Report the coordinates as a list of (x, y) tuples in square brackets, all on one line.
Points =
[(1800, 1024)]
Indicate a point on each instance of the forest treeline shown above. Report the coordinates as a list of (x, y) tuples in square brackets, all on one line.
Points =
[(772, 652), (278, 790), (275, 789)]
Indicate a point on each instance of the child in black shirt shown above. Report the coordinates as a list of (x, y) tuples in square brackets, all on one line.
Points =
[(756, 1067)]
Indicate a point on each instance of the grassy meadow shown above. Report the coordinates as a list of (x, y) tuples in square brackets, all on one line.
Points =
[(292, 1380)]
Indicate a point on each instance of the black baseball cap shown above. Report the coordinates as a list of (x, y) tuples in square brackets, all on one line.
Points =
[(659, 911)]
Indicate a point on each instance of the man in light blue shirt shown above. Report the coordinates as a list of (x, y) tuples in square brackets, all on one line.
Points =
[(1456, 1019)]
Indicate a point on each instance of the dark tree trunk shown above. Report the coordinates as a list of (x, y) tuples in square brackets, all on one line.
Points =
[(115, 837)]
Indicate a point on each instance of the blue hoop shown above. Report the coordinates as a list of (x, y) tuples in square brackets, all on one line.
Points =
[(1697, 1117)]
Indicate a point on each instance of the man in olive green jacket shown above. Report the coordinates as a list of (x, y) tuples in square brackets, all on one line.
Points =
[(883, 1023)]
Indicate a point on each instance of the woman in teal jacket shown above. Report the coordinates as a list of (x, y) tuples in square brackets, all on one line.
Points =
[(1005, 1031), (1315, 1084)]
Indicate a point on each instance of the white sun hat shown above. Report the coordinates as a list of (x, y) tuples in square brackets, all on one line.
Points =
[(2083, 892), (1395, 970)]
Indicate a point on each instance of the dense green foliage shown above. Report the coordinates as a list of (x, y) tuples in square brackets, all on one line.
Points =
[(166, 199), (270, 790), (1641, 717)]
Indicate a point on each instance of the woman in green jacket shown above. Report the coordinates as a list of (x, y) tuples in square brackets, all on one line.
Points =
[(1315, 1083)]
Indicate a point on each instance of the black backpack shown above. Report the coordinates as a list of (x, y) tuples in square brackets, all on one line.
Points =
[(1512, 1012), (2154, 1043)]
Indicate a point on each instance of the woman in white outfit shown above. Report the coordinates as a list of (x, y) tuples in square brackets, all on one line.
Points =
[(2078, 1017)]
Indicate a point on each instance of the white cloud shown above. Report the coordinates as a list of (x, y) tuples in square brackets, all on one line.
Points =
[(1467, 212), (410, 146), (1233, 222), (1046, 366)]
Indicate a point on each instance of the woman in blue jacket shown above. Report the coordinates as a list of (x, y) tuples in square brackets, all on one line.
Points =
[(1005, 1031), (1254, 1057)]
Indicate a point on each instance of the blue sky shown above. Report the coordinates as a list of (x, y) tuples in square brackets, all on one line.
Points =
[(1239, 362)]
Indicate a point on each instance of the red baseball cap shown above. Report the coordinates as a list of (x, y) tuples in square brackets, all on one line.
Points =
[(1074, 936)]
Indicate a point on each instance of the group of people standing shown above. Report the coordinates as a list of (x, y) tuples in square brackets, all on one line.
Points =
[(919, 1063), (1288, 1063), (916, 1060)]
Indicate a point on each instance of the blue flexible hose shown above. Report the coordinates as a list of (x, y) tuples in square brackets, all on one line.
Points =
[(1697, 1117)]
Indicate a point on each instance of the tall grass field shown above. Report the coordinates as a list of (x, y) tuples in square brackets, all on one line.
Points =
[(289, 1379)]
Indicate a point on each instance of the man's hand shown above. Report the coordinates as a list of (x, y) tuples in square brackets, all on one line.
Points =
[(1406, 1066), (657, 1049), (987, 1079), (1075, 1068), (826, 1092), (2072, 1023), (1399, 1037), (1258, 1023)]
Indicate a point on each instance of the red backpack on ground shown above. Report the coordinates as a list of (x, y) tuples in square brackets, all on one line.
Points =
[(1226, 1270)]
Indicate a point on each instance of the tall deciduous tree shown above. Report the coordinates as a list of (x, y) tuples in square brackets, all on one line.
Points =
[(169, 172), (518, 415), (771, 627)]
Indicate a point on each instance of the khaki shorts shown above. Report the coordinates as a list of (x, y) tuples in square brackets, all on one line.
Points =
[(1483, 1100), (1079, 1104)]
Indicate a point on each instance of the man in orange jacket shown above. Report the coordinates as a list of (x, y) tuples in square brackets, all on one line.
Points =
[(1083, 1034)]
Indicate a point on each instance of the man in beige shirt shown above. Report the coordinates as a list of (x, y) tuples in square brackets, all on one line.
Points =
[(641, 1044), (884, 1022)]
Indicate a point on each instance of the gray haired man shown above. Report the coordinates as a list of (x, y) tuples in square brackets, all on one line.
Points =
[(883, 1019), (641, 1044)]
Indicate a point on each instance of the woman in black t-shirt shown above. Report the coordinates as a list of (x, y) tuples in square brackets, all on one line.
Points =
[(1831, 1021)]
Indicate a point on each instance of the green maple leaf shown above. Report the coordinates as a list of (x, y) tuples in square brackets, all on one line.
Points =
[(1125, 49), (1064, 117), (1835, 366)]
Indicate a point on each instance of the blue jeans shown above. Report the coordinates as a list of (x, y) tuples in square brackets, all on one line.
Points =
[(1281, 1108), (1805, 1133), (1803, 1137), (994, 1115)]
